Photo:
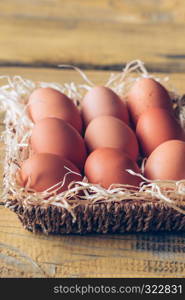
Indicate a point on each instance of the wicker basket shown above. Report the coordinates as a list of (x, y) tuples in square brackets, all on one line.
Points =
[(144, 212)]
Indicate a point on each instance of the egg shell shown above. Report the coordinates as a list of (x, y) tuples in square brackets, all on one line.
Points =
[(155, 126), (48, 102), (167, 162), (44, 170), (147, 93), (107, 131), (101, 101), (106, 166), (52, 135)]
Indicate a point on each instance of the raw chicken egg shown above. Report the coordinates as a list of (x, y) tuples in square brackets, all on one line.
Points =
[(44, 170), (147, 93), (102, 101), (52, 135), (48, 102), (167, 162), (106, 166), (107, 131), (156, 126)]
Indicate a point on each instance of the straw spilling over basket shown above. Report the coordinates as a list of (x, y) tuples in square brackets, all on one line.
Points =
[(83, 206)]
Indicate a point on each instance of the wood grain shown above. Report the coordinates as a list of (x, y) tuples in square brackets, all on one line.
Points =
[(93, 34), (24, 254), (132, 11)]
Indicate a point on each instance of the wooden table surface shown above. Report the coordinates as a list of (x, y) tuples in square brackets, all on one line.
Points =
[(100, 36)]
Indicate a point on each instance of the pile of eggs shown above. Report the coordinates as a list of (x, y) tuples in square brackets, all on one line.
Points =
[(104, 138)]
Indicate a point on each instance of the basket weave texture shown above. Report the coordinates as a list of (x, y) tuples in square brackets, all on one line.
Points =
[(114, 217)]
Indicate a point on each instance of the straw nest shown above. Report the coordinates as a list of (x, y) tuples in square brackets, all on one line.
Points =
[(152, 206)]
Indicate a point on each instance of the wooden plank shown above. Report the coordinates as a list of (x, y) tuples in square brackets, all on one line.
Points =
[(94, 34), (60, 75), (131, 11), (24, 254)]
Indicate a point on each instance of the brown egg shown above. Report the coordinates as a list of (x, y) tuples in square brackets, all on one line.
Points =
[(44, 170), (52, 135), (102, 101), (48, 102), (147, 93), (106, 166), (156, 126), (167, 161), (107, 131)]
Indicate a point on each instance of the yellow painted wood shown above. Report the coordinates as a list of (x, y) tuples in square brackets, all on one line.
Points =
[(24, 254), (121, 11), (93, 33), (174, 81)]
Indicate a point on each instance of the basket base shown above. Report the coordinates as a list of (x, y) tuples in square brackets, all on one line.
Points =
[(114, 217)]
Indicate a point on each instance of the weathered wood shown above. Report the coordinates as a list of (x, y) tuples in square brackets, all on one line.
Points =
[(24, 254), (132, 11), (176, 80), (93, 33), (60, 75)]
